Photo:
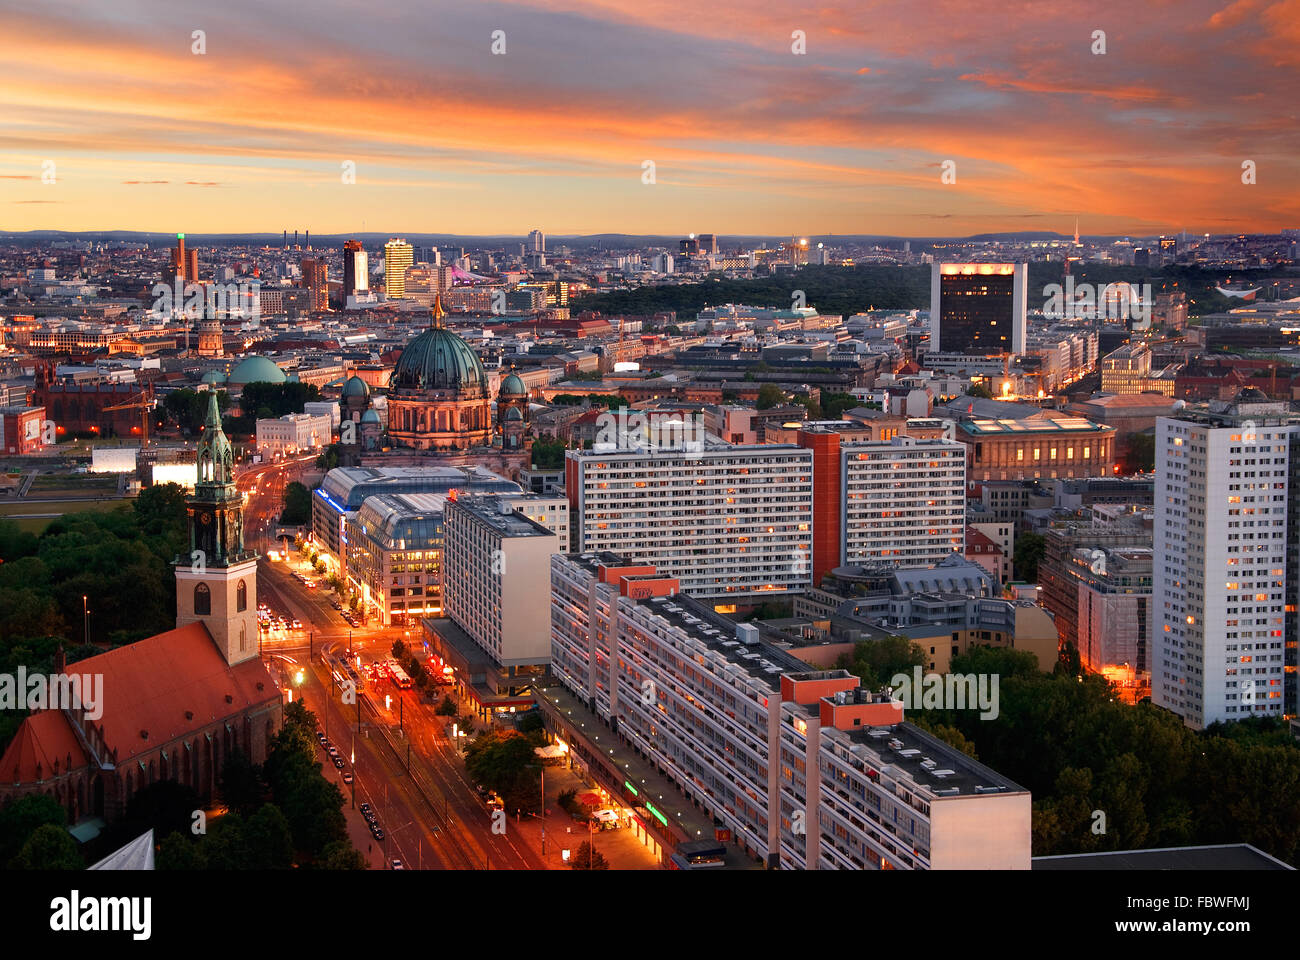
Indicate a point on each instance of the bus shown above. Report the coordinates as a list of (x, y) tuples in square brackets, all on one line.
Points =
[(399, 676)]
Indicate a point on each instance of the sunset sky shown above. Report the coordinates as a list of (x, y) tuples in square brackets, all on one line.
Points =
[(746, 136)]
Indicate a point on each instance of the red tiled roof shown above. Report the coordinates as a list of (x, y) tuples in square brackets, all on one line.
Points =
[(149, 686), (42, 740)]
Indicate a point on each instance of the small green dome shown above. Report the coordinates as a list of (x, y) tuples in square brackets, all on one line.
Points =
[(257, 370), (513, 386), (514, 414), (214, 376), (370, 417), (356, 387)]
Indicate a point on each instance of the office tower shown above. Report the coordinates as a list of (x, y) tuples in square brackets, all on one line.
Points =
[(315, 279), (184, 264), (286, 240), (496, 569), (725, 520), (398, 257), (295, 239), (537, 242), (1219, 583), (978, 309), (708, 243), (688, 247), (1141, 257), (356, 273)]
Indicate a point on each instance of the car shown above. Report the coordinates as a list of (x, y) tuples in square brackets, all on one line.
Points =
[(365, 809), (347, 776), (336, 605), (297, 624), (332, 750), (370, 817), (397, 864), (376, 831), (482, 790), (338, 762), (324, 740)]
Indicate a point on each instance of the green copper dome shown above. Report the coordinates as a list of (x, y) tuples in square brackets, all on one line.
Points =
[(513, 386), (356, 387), (257, 370), (439, 360)]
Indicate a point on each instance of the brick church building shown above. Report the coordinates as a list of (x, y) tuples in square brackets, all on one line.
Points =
[(174, 706)]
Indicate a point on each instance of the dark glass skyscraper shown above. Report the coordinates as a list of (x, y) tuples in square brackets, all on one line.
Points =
[(978, 309)]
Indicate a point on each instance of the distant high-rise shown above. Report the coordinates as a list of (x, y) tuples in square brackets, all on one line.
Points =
[(708, 243), (315, 277), (537, 242), (978, 309), (1223, 576), (355, 268), (398, 258), (184, 263)]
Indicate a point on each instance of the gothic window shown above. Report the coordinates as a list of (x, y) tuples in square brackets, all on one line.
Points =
[(243, 638), (202, 600), (241, 597)]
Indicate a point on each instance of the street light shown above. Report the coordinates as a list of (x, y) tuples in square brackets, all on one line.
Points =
[(85, 615)]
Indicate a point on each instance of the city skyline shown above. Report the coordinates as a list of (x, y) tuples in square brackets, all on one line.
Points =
[(746, 135)]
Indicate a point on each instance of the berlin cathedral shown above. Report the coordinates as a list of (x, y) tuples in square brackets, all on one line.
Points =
[(440, 409)]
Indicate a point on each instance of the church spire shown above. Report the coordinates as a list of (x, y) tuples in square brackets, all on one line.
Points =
[(438, 313)]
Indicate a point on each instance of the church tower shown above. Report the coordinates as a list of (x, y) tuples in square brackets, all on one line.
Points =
[(217, 583), (210, 338)]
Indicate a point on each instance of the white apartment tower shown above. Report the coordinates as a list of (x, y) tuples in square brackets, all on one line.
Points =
[(1219, 577), (904, 501), (726, 520)]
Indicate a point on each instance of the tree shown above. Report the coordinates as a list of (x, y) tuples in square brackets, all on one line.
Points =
[(23, 817), (180, 852), (769, 395), (297, 504), (1028, 552), (241, 784), (48, 848), (505, 762), (447, 708), (270, 841), (877, 661), (341, 855), (1141, 457), (979, 390), (587, 857)]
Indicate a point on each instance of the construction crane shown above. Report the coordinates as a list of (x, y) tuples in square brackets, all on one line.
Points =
[(143, 402)]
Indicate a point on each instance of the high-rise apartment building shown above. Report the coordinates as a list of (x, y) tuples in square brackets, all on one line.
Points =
[(537, 242), (727, 521), (979, 309), (1220, 578), (356, 271), (904, 501), (398, 258), (802, 768)]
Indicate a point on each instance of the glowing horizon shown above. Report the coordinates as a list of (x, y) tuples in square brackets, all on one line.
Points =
[(746, 136)]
